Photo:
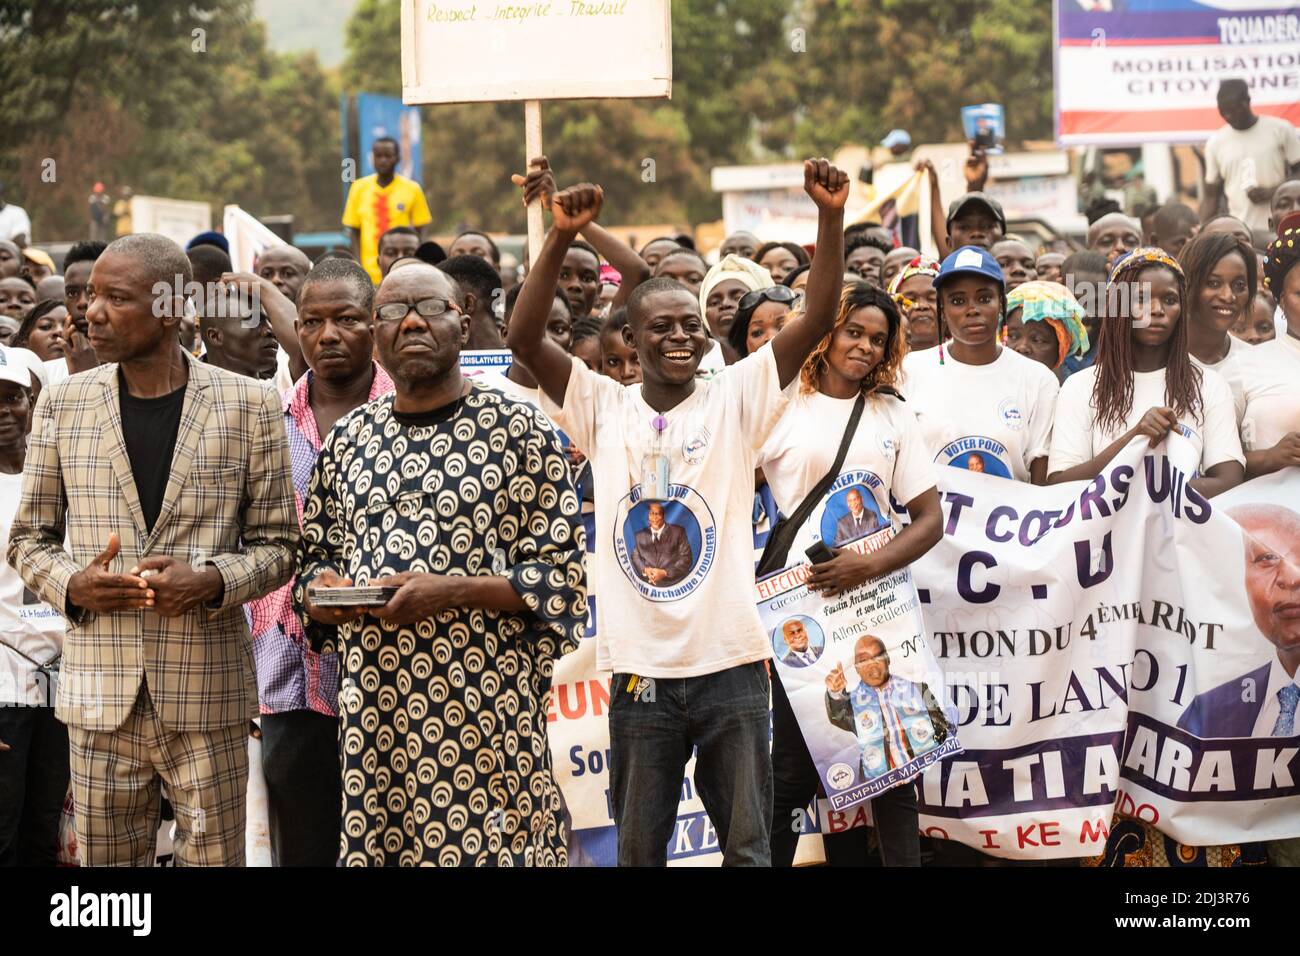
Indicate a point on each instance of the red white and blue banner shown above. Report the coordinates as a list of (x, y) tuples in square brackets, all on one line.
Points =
[(1130, 72)]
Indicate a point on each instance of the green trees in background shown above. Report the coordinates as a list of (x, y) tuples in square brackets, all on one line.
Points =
[(176, 98), (130, 94)]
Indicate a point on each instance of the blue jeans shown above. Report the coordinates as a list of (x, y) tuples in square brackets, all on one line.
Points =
[(652, 730)]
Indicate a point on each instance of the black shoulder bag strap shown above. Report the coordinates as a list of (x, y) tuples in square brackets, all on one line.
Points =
[(782, 536)]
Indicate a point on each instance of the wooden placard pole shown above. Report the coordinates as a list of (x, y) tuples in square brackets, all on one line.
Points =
[(532, 148)]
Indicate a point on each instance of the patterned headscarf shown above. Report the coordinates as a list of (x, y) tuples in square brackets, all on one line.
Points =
[(1054, 304), (732, 266), (920, 266), (1283, 252), (1144, 255)]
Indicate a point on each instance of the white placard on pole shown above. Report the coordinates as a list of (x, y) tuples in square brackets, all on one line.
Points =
[(467, 51), (533, 148)]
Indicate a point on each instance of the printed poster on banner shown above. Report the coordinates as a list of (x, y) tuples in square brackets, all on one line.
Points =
[(866, 690), (1121, 647)]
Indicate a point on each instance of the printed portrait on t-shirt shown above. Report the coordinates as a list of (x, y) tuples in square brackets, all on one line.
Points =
[(665, 547), (798, 642), (851, 514), (985, 456)]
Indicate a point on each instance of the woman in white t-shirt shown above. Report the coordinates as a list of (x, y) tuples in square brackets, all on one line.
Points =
[(1270, 426), (1145, 383), (33, 743), (862, 355), (981, 406), (1221, 273)]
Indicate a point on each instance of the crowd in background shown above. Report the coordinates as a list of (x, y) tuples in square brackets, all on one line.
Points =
[(163, 504)]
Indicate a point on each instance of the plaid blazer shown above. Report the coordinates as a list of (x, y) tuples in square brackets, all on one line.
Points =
[(229, 502)]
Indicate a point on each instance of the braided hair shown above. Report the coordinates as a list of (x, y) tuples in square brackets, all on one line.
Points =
[(1112, 391)]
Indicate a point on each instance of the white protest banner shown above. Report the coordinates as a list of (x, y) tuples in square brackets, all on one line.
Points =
[(247, 236), (464, 51), (485, 366), (1115, 645), (864, 687), (461, 51), (1143, 71)]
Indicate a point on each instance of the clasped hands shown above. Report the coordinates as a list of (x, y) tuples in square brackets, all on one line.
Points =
[(164, 585)]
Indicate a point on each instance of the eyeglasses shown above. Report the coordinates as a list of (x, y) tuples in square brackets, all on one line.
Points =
[(777, 293), (425, 308)]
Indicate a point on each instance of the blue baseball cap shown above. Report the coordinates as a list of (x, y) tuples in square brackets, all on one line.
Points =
[(209, 239), (970, 260), (896, 137)]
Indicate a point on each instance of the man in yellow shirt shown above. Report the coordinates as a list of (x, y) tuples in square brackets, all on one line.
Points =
[(377, 203)]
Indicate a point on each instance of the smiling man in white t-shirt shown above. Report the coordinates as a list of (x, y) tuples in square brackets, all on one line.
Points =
[(689, 654)]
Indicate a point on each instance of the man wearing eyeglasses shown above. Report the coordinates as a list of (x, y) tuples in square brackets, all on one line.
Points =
[(459, 499)]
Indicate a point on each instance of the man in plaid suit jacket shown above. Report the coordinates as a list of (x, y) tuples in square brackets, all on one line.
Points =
[(170, 481)]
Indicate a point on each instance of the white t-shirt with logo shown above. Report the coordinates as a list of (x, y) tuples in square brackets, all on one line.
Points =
[(1271, 375), (996, 418), (887, 458), (701, 616), (1202, 445), (1243, 159), (1230, 369), (27, 623)]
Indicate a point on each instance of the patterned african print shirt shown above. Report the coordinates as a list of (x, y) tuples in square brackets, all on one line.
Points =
[(444, 749), (290, 675)]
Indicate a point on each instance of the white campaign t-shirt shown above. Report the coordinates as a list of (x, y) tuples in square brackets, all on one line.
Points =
[(1229, 368), (712, 363), (27, 623), (1272, 393), (702, 617), (529, 396), (56, 370), (1203, 444), (887, 457), (283, 373), (1242, 159), (998, 416)]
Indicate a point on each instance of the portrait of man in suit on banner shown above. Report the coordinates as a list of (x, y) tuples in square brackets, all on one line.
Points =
[(796, 646), (1261, 702)]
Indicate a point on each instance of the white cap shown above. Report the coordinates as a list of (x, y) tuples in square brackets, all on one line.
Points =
[(13, 367)]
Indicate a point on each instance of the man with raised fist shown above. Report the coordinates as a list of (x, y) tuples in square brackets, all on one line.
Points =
[(688, 651)]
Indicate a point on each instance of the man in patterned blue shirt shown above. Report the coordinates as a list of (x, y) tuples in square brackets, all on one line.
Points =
[(297, 688)]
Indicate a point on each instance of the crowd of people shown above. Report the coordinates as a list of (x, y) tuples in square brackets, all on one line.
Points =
[(186, 478)]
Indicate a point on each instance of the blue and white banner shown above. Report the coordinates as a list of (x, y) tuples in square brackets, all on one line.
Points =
[(1119, 645), (863, 685)]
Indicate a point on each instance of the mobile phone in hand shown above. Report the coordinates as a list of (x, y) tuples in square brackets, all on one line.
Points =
[(819, 553)]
